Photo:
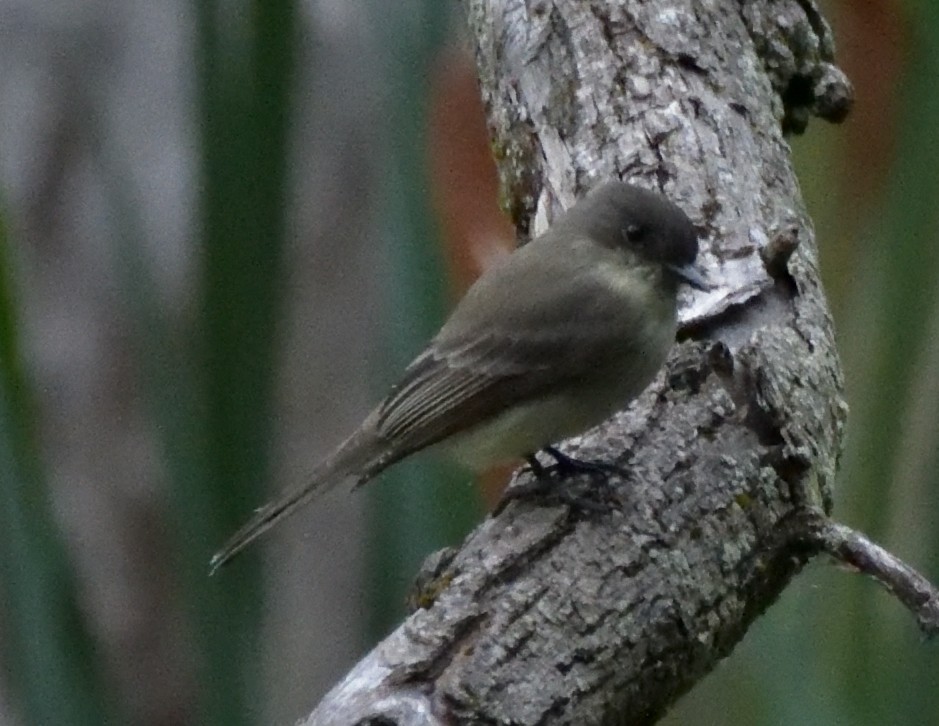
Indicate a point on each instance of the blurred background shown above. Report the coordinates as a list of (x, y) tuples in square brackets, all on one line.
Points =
[(224, 228)]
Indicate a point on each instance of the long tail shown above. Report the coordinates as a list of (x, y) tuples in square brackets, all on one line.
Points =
[(359, 457)]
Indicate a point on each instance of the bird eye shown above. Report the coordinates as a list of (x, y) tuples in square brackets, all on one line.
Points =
[(635, 232)]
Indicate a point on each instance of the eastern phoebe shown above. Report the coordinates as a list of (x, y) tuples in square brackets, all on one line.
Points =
[(549, 342)]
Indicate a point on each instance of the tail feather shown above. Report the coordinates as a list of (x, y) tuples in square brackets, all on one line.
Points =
[(266, 517), (359, 457)]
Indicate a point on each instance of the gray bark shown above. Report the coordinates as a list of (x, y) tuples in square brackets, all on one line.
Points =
[(547, 614)]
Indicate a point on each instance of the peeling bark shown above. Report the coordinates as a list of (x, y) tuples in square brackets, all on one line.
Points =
[(550, 615)]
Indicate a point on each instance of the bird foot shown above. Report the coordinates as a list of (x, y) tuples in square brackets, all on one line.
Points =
[(546, 484), (565, 464)]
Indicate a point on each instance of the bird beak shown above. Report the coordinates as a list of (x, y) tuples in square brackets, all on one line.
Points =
[(689, 275)]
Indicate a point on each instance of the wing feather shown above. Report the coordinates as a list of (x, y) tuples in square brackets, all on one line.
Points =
[(537, 322), (447, 390)]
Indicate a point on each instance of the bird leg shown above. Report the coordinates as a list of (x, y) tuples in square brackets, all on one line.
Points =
[(546, 480), (566, 464)]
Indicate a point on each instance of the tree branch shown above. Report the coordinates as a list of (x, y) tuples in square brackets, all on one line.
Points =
[(854, 550), (547, 615)]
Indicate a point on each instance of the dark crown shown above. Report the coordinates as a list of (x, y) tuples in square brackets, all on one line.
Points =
[(617, 215)]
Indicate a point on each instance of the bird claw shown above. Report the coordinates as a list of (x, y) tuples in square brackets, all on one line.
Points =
[(566, 464), (545, 481)]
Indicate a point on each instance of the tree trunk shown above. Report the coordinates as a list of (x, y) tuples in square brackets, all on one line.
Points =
[(548, 614)]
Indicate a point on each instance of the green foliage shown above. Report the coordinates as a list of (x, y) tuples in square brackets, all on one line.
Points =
[(223, 396), (423, 505), (208, 387), (49, 655)]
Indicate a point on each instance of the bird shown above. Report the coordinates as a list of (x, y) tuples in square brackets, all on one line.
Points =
[(549, 342)]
